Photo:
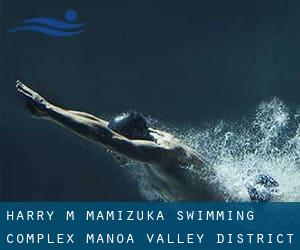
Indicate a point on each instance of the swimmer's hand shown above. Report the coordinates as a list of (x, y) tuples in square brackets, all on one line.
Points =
[(35, 103)]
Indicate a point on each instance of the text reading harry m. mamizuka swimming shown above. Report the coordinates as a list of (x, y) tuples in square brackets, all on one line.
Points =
[(139, 227)]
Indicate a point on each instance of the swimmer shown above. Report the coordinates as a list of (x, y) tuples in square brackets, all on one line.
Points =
[(129, 136)]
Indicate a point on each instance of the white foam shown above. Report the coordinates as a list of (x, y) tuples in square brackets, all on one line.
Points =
[(267, 142)]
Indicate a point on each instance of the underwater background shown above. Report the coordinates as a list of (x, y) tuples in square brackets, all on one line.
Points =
[(222, 75)]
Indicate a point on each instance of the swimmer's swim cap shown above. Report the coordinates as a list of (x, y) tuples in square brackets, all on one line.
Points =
[(132, 125)]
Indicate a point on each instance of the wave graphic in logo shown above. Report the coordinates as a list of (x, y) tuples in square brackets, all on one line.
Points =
[(53, 27)]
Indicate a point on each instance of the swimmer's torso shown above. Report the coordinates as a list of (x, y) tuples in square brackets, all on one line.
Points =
[(178, 180), (180, 183)]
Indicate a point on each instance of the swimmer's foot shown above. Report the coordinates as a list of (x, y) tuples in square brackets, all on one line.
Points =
[(264, 188), (34, 103)]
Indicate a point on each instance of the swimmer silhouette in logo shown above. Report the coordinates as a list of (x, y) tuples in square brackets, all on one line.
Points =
[(53, 27), (166, 158)]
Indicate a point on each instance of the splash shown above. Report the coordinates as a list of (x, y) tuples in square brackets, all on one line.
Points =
[(268, 142)]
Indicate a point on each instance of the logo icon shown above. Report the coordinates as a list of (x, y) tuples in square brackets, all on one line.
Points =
[(53, 27)]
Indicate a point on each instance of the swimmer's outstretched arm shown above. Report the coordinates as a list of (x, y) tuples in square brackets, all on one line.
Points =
[(95, 129)]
